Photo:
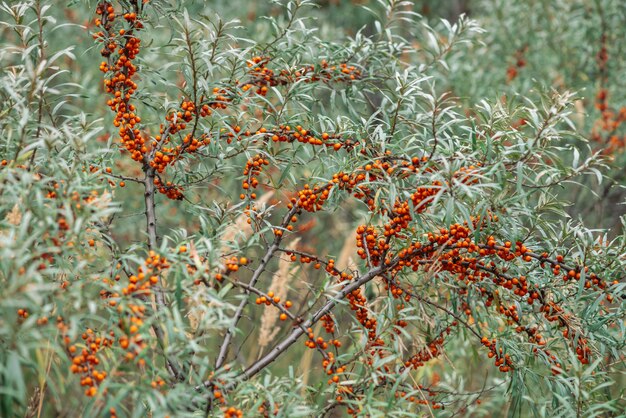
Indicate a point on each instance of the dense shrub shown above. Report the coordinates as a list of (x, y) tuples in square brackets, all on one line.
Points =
[(336, 209)]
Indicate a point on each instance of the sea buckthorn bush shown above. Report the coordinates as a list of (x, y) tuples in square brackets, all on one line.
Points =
[(569, 45), (260, 209)]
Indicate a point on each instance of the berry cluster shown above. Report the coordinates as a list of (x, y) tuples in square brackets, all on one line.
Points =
[(22, 313), (285, 133), (262, 77), (605, 128), (520, 62), (418, 401), (271, 299), (433, 349), (254, 166), (85, 360), (146, 277), (455, 252), (264, 410), (321, 343), (372, 246), (313, 199), (122, 70), (120, 83), (169, 189), (232, 412)]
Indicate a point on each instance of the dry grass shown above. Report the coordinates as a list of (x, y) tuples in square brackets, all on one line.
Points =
[(240, 229), (279, 286), (306, 363), (237, 230), (15, 216), (348, 250)]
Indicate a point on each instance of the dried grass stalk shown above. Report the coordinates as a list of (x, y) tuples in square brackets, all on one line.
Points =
[(239, 229), (15, 216), (346, 260), (306, 363), (279, 286)]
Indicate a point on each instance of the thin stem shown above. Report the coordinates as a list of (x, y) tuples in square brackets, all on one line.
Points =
[(40, 99), (151, 228)]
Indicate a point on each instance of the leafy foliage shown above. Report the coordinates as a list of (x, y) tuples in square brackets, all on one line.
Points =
[(296, 215)]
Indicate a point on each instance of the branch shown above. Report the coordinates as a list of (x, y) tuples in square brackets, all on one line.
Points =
[(281, 308), (297, 332), (150, 213), (152, 244)]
